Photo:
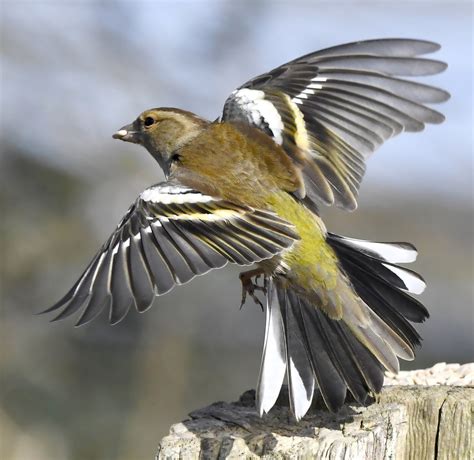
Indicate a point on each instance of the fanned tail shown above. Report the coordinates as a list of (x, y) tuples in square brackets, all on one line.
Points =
[(350, 353)]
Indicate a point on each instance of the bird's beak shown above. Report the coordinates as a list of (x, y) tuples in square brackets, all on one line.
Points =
[(128, 134)]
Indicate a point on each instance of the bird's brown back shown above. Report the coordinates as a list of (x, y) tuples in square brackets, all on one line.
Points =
[(238, 163)]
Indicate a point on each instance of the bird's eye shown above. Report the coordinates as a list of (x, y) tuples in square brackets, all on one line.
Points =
[(149, 121)]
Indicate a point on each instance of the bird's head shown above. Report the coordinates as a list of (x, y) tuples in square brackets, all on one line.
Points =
[(162, 132)]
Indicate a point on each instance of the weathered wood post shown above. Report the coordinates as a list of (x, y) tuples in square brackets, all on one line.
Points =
[(426, 414)]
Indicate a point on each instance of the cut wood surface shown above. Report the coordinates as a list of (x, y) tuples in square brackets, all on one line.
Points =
[(416, 422)]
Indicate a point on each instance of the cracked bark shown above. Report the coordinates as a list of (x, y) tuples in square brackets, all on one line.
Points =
[(408, 422)]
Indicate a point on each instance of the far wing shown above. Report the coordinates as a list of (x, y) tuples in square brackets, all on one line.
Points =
[(331, 109), (168, 236)]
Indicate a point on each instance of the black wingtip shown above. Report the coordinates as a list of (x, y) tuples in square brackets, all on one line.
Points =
[(60, 317), (56, 306), (64, 314), (115, 318), (79, 323), (42, 312)]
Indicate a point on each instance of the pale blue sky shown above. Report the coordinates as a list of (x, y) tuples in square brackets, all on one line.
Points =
[(83, 69)]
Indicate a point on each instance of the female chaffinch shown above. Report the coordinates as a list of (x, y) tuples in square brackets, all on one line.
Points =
[(246, 188)]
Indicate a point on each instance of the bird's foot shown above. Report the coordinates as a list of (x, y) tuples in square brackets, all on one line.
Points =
[(249, 287)]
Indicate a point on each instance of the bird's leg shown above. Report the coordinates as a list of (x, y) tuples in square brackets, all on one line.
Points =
[(263, 288), (249, 287)]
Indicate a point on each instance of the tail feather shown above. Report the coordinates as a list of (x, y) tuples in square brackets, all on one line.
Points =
[(368, 335), (395, 253), (394, 275), (350, 353), (299, 370), (343, 358), (394, 319), (371, 369), (273, 365), (398, 301), (355, 265), (330, 382)]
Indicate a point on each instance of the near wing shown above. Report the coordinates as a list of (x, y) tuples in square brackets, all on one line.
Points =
[(331, 109), (168, 236)]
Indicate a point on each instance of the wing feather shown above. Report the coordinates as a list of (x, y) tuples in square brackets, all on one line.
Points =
[(141, 280), (100, 297), (168, 236), (335, 107), (122, 295)]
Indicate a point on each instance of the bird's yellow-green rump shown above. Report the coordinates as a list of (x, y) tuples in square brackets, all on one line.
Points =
[(312, 263)]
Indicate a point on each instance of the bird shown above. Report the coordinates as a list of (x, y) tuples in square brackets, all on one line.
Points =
[(247, 189)]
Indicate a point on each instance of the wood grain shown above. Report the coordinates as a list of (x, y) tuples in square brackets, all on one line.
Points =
[(408, 422)]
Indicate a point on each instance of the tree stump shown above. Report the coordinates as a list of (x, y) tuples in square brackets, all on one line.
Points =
[(407, 422)]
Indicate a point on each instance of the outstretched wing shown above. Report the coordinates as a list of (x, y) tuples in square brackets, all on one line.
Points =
[(331, 109), (168, 236)]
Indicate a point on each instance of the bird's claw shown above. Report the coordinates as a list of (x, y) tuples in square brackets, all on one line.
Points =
[(249, 287)]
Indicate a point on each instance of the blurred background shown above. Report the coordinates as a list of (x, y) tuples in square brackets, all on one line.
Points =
[(74, 72)]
